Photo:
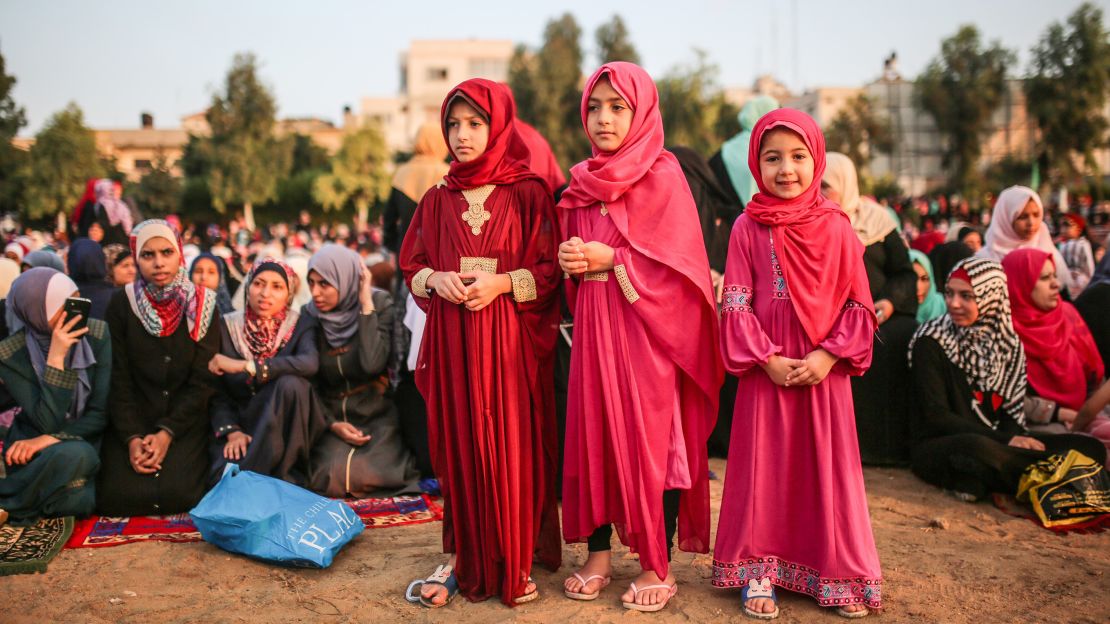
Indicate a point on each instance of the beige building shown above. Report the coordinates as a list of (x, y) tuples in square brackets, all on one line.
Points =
[(429, 68), (763, 85)]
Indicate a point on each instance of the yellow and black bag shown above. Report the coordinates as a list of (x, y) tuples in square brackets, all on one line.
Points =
[(1067, 492)]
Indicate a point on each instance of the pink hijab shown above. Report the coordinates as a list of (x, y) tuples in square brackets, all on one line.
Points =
[(1061, 355), (820, 254)]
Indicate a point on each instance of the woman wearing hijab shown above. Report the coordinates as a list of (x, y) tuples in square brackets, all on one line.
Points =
[(945, 258), (119, 265), (412, 179), (43, 258), (479, 258), (730, 163), (643, 389), (968, 369), (9, 272), (362, 454), (880, 394), (930, 303), (1063, 365), (110, 212), (15, 252), (155, 456), (87, 269), (59, 378), (1018, 222), (210, 271), (1092, 306), (265, 414), (797, 323), (966, 234)]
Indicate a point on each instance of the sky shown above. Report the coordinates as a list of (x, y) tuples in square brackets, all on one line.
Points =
[(119, 58)]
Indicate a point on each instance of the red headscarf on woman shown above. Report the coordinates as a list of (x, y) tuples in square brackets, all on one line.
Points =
[(1061, 356), (89, 196), (506, 157), (820, 254)]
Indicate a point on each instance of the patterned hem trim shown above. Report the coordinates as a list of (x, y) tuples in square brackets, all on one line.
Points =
[(849, 304), (62, 378), (524, 285), (799, 578), (737, 299), (420, 282), (626, 285)]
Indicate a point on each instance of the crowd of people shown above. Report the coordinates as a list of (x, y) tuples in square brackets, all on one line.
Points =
[(522, 338)]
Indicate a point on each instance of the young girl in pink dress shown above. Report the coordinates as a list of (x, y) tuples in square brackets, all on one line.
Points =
[(644, 378), (797, 320)]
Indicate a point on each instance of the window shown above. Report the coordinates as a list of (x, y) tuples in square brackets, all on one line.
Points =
[(142, 164), (437, 74), (492, 68)]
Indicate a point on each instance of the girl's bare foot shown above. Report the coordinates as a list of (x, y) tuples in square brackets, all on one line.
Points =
[(597, 563), (650, 596)]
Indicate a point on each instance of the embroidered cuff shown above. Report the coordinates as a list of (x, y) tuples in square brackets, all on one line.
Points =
[(420, 282), (66, 379), (524, 285), (625, 284), (849, 304), (61, 435), (736, 299), (226, 429)]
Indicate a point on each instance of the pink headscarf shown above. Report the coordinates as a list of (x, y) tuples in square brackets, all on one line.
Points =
[(1001, 239), (1061, 355), (820, 254)]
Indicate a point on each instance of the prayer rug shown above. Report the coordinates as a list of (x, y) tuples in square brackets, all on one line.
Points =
[(376, 513), (26, 550)]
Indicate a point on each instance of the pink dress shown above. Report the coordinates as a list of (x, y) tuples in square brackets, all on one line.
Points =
[(794, 508)]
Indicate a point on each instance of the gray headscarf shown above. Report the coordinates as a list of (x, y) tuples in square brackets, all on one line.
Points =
[(340, 267), (35, 297), (44, 258)]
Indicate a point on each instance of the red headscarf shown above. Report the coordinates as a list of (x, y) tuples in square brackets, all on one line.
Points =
[(89, 196), (1061, 354), (820, 254), (645, 192), (543, 160), (506, 157)]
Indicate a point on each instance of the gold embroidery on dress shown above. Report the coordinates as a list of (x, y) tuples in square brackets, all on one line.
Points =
[(476, 214), (475, 263), (524, 285), (599, 276), (626, 285), (420, 282)]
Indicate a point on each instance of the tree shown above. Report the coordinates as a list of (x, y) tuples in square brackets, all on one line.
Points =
[(246, 160), (12, 160), (695, 113), (961, 89), (159, 191), (61, 161), (859, 132), (358, 175), (548, 88), (306, 155), (613, 43), (1067, 89)]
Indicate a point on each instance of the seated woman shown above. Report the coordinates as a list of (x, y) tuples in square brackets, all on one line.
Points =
[(363, 454), (88, 269), (1062, 361), (930, 303), (968, 373), (265, 412), (1092, 306), (1017, 222), (210, 271), (879, 394), (155, 456), (59, 378)]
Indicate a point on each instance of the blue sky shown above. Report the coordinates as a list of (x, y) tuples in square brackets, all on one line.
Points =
[(117, 58)]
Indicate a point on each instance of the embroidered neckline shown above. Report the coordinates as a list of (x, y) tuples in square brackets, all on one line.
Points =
[(476, 214)]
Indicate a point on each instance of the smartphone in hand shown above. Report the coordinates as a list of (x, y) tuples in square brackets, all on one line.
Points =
[(77, 306)]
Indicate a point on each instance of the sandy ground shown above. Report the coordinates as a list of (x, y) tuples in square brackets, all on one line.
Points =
[(943, 561)]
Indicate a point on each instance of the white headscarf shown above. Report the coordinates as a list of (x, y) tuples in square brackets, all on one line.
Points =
[(1001, 238), (871, 221)]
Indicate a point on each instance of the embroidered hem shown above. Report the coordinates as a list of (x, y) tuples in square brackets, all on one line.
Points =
[(524, 285), (626, 285), (420, 282), (794, 577)]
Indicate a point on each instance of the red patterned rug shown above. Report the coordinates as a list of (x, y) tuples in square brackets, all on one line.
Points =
[(376, 513)]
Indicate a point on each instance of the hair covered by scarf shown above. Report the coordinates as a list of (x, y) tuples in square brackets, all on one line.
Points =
[(257, 337), (933, 306), (161, 308), (506, 158), (1001, 238), (989, 351), (340, 267), (871, 221)]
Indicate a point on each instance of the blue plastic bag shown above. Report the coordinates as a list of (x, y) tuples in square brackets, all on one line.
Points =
[(275, 521)]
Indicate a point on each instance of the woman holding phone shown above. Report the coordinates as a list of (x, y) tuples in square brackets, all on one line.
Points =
[(57, 368)]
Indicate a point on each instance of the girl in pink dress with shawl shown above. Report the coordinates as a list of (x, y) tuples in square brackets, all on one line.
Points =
[(644, 378), (797, 320)]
